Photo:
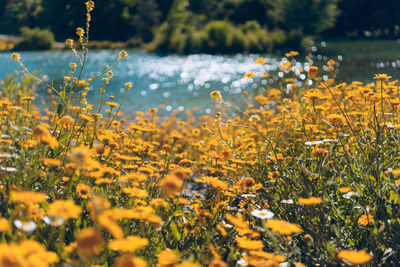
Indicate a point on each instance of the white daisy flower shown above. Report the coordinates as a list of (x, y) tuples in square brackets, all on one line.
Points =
[(53, 220), (242, 262), (313, 143), (287, 201), (28, 226), (351, 195), (262, 214), (8, 169)]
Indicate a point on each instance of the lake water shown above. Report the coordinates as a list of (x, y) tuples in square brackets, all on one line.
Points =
[(181, 82)]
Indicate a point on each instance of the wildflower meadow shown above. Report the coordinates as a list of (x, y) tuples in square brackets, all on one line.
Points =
[(299, 175)]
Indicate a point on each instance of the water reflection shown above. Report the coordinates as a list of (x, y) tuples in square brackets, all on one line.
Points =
[(180, 82)]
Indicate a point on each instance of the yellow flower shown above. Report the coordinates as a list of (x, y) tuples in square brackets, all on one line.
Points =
[(282, 227), (112, 104), (83, 191), (105, 220), (110, 74), (29, 143), (260, 61), (269, 256), (41, 134), (4, 225), (310, 201), (36, 254), (226, 154), (128, 86), (86, 118), (65, 209), (27, 197), (246, 243), (218, 263), (354, 257), (66, 121), (89, 6), (365, 219), (129, 261), (69, 43), (188, 264), (214, 182), (344, 190), (96, 116), (167, 258), (179, 173), (28, 98), (249, 75), (312, 72), (382, 77), (135, 192), (331, 62), (80, 32), (16, 57), (129, 244), (247, 183), (83, 83), (292, 54), (171, 185), (123, 54), (196, 132), (216, 96), (89, 242), (51, 162)]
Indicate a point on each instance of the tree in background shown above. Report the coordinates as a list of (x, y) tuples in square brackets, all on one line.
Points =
[(307, 17), (62, 17), (15, 14), (379, 17), (145, 18)]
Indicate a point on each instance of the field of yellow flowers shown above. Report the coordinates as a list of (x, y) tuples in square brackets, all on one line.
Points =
[(304, 175)]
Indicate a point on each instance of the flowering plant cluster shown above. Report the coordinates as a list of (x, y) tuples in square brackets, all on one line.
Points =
[(306, 174)]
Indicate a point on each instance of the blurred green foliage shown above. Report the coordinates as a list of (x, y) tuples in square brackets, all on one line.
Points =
[(35, 39), (187, 26)]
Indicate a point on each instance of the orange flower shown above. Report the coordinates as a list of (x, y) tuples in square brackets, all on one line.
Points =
[(89, 242), (4, 225), (66, 121), (344, 190), (249, 75), (354, 257), (171, 185), (246, 243), (310, 201), (65, 209), (129, 260), (51, 162), (83, 191), (28, 197), (312, 72), (365, 219), (282, 227), (382, 77), (167, 258), (260, 61), (41, 134), (292, 54), (129, 244), (218, 263)]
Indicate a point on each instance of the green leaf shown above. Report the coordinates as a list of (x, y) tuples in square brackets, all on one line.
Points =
[(175, 232), (394, 197)]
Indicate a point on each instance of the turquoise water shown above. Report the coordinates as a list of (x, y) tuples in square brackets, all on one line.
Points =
[(182, 82), (176, 82)]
